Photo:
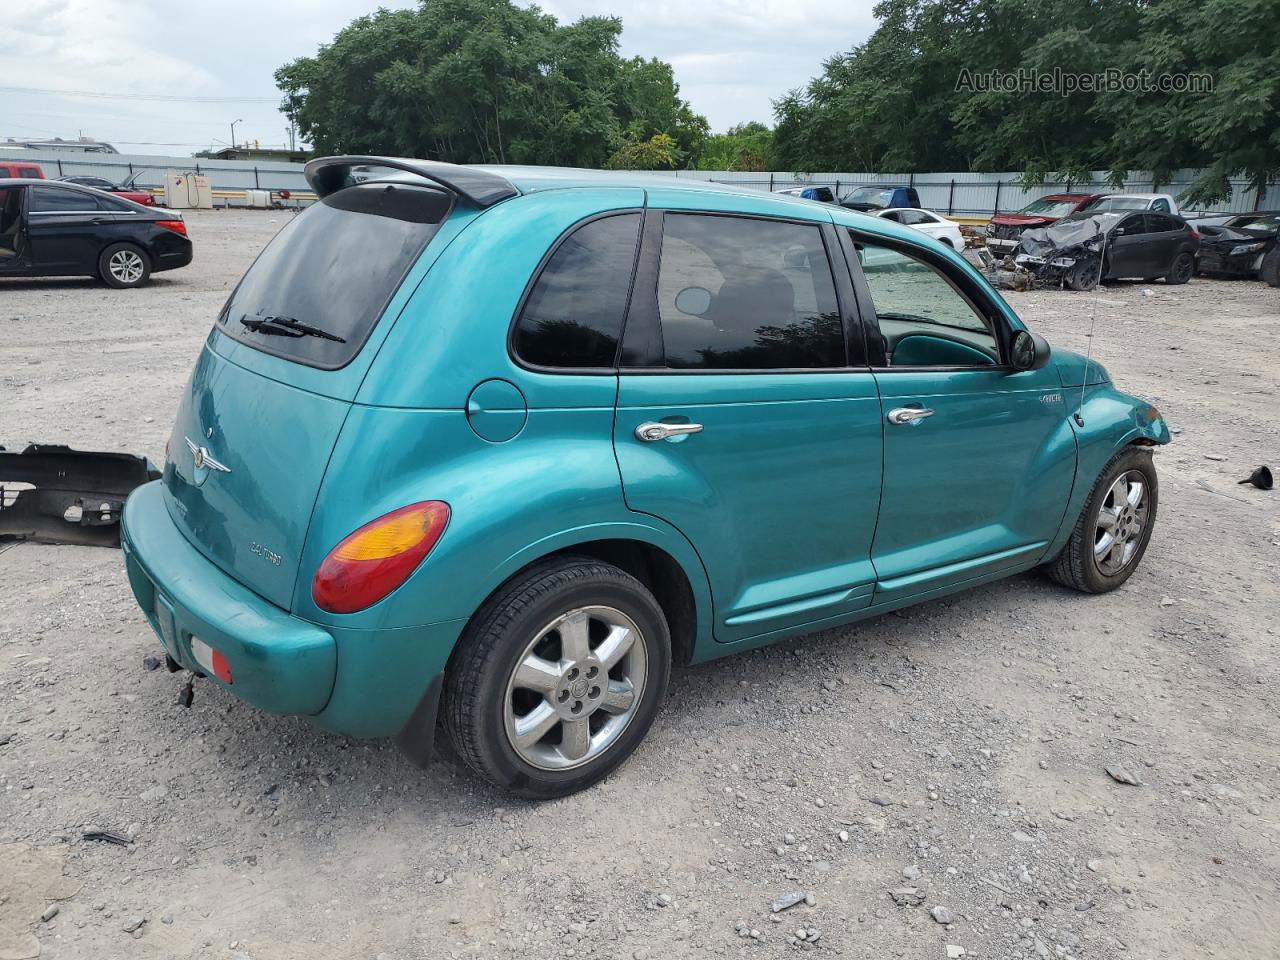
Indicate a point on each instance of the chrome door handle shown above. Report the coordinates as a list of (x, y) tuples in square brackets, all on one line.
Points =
[(649, 432), (909, 414)]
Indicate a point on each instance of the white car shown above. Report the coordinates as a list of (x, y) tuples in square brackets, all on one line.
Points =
[(940, 228), (1158, 202)]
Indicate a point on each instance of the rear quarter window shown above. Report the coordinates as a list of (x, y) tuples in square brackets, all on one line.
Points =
[(333, 269), (573, 314)]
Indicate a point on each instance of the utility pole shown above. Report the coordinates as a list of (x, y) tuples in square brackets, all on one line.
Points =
[(233, 131)]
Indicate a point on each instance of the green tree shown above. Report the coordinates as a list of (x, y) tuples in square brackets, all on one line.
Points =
[(1232, 129), (483, 81), (747, 146), (894, 103), (659, 152)]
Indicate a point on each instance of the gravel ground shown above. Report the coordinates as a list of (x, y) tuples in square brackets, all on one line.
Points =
[(935, 779)]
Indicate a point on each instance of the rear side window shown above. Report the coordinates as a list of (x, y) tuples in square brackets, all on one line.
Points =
[(743, 294), (315, 293), (31, 173), (53, 200), (573, 315)]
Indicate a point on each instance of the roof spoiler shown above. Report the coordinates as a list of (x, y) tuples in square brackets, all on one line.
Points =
[(480, 187)]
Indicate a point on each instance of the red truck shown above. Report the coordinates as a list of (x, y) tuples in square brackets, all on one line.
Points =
[(24, 170), (1005, 229)]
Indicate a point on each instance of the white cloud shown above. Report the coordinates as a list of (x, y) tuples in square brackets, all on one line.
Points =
[(731, 59)]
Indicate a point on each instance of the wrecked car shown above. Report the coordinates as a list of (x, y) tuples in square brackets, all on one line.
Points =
[(1005, 229), (1240, 246), (1085, 248)]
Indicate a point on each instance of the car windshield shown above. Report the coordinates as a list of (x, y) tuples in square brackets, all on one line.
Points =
[(1264, 224), (1044, 207), (1119, 203), (333, 268), (877, 196)]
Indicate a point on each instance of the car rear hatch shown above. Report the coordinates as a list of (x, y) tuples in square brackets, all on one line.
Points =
[(274, 383)]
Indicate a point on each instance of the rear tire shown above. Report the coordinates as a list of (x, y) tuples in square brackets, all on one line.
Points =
[(1092, 563), (558, 677), (124, 265), (1180, 271)]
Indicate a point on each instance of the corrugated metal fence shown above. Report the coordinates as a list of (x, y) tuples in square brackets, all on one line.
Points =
[(983, 194), (976, 195)]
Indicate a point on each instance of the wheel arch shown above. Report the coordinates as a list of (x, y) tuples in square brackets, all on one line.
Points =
[(683, 593), (1109, 422)]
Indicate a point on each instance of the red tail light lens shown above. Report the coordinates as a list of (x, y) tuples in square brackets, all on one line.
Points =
[(1193, 233), (378, 557), (177, 226)]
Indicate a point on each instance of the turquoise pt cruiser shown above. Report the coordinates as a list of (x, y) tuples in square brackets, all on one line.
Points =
[(497, 446)]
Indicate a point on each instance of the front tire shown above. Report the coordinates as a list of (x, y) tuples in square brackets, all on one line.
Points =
[(1083, 275), (1115, 526), (558, 677), (124, 265)]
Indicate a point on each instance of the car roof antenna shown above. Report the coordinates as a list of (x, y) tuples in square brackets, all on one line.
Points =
[(1093, 320)]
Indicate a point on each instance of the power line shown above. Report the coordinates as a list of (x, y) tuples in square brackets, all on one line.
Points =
[(138, 96)]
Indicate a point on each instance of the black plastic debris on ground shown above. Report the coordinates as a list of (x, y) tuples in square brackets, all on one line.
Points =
[(106, 836), (53, 494)]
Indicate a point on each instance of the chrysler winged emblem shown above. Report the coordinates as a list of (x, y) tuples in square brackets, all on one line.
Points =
[(203, 459)]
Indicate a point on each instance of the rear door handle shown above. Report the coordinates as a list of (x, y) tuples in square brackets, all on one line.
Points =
[(909, 414), (649, 432)]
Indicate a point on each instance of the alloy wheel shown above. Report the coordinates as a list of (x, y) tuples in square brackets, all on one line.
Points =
[(1121, 519), (575, 688), (126, 266)]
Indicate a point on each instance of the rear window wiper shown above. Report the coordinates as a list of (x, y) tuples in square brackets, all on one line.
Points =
[(286, 327)]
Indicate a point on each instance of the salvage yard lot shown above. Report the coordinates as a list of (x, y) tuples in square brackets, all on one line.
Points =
[(952, 755)]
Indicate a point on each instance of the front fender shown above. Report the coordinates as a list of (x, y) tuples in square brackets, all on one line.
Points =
[(1105, 423)]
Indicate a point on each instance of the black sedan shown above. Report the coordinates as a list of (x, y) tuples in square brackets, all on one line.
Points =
[(1086, 247), (1242, 246), (52, 229)]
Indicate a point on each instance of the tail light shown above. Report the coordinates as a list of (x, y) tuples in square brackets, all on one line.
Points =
[(377, 558), (177, 226), (1193, 233)]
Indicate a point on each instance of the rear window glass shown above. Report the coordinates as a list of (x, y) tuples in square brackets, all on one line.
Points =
[(316, 292)]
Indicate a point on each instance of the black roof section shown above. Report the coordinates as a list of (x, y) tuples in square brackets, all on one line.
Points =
[(480, 187)]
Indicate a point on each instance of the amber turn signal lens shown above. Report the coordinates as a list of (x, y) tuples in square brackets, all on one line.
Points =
[(377, 558)]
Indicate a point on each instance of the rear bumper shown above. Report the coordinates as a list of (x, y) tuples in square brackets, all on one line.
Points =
[(278, 663), (172, 257), (1245, 264)]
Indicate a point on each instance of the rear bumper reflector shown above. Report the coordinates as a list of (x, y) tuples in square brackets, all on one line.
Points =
[(213, 662)]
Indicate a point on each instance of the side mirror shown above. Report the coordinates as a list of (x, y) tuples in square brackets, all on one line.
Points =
[(1029, 351), (695, 301)]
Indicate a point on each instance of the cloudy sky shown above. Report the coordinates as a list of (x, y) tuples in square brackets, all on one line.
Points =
[(731, 59)]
